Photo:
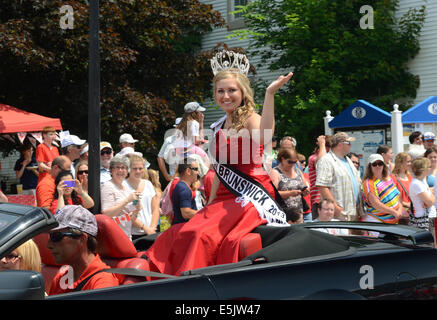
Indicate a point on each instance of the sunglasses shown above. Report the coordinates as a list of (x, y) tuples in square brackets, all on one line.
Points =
[(12, 256), (377, 164), (105, 152), (82, 172), (346, 142), (58, 236), (291, 161), (194, 169)]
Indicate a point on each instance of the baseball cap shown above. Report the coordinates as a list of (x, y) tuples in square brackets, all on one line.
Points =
[(193, 106), (375, 157), (77, 217), (104, 145), (428, 136), (177, 121), (126, 137), (86, 149), (71, 139), (341, 137)]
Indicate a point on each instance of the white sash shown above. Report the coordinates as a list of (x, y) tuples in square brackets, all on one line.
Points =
[(246, 189)]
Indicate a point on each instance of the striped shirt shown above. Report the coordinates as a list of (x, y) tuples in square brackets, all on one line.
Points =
[(312, 173), (387, 193)]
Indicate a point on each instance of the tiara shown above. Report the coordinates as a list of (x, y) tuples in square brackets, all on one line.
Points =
[(227, 60)]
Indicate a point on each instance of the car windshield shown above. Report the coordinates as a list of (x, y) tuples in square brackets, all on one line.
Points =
[(7, 219)]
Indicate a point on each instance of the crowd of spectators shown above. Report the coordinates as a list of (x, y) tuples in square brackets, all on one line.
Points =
[(392, 189)]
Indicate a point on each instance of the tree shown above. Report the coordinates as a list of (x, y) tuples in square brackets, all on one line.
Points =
[(151, 63), (334, 59)]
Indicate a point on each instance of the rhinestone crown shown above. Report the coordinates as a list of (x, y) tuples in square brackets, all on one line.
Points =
[(227, 60)]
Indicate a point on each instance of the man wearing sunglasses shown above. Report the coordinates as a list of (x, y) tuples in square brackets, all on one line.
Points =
[(74, 243), (183, 199), (338, 179), (106, 154)]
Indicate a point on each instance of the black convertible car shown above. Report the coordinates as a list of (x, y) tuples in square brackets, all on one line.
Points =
[(296, 262)]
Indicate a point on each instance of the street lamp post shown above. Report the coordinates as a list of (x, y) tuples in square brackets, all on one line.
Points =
[(94, 105)]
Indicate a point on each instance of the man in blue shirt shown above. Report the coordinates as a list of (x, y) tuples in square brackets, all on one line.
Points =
[(183, 198)]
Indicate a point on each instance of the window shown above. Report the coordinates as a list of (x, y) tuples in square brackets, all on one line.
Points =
[(235, 21)]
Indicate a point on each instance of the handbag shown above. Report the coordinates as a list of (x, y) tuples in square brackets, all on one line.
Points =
[(411, 210), (406, 192), (305, 206)]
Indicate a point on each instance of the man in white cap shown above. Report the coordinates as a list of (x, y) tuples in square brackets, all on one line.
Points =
[(106, 154), (126, 140), (428, 140), (338, 179), (74, 243), (71, 146)]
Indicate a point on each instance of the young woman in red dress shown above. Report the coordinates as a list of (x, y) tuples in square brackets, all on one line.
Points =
[(213, 235)]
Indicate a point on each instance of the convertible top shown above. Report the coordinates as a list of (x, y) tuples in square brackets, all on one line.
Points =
[(286, 243)]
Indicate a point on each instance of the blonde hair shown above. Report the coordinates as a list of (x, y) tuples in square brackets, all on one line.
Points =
[(30, 257), (420, 165), (240, 114), (400, 159), (154, 179)]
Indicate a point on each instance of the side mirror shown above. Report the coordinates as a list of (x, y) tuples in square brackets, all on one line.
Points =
[(21, 285)]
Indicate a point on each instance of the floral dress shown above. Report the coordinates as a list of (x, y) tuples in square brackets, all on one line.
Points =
[(285, 184)]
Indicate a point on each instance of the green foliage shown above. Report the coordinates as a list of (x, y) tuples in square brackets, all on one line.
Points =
[(150, 60), (334, 61)]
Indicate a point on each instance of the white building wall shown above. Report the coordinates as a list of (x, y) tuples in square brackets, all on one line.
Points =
[(425, 63)]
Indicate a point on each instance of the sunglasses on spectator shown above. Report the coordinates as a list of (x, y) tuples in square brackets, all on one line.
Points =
[(355, 162), (377, 164), (109, 151), (346, 142), (58, 236), (194, 169), (289, 161), (82, 172)]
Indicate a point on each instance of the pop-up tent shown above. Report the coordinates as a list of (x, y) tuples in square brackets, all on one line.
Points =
[(13, 120), (361, 114), (423, 112)]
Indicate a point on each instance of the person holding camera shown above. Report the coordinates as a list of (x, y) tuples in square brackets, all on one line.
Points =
[(69, 191)]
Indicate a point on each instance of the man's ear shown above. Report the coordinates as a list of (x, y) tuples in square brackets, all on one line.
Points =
[(84, 237)]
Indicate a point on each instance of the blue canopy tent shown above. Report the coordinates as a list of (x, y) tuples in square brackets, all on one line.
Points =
[(361, 114), (423, 112)]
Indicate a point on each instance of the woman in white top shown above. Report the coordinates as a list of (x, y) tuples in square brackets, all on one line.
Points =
[(191, 123), (147, 220), (116, 199), (421, 196)]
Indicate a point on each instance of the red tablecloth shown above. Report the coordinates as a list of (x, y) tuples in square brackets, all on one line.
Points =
[(27, 199)]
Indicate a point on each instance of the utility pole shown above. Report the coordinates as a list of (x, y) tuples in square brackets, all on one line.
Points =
[(94, 106)]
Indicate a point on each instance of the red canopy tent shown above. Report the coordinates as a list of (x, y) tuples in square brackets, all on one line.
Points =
[(13, 120)]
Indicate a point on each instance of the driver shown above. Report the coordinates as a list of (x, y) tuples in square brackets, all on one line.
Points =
[(74, 243)]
